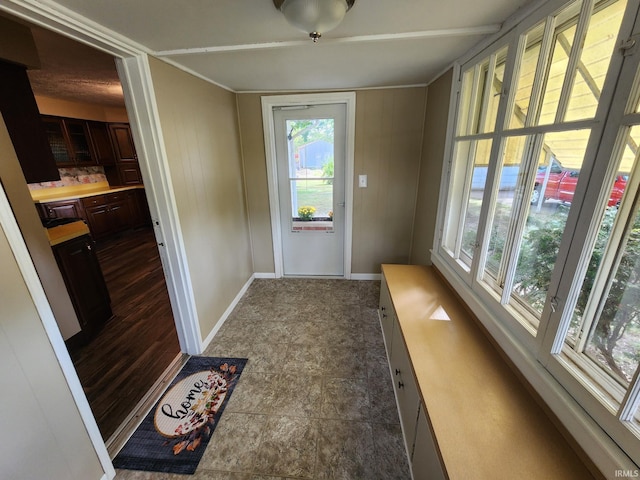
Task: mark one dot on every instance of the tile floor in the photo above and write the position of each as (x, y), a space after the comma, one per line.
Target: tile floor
(315, 400)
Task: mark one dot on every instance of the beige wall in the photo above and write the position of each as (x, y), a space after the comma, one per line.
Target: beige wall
(85, 111)
(42, 434)
(35, 237)
(200, 129)
(435, 130)
(389, 127)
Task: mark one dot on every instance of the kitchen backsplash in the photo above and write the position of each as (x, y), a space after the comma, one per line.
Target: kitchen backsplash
(73, 176)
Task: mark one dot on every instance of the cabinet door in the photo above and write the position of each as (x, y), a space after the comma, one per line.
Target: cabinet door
(78, 137)
(387, 316)
(63, 209)
(60, 148)
(85, 283)
(425, 461)
(405, 387)
(123, 142)
(120, 214)
(98, 220)
(129, 174)
(101, 143)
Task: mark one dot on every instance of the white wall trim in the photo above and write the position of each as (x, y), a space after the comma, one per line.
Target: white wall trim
(366, 276)
(9, 225)
(226, 313)
(264, 275)
(268, 102)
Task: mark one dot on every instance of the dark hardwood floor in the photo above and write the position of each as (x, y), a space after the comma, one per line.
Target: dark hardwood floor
(132, 350)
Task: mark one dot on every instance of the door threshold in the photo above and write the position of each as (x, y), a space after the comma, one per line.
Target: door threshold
(116, 441)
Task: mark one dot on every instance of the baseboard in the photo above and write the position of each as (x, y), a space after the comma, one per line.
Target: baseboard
(264, 275)
(366, 276)
(205, 343)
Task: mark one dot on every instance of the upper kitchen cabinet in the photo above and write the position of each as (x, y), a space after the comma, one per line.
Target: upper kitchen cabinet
(101, 143)
(127, 170)
(22, 118)
(69, 141)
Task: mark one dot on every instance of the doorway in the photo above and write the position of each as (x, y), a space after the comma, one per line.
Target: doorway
(309, 145)
(310, 151)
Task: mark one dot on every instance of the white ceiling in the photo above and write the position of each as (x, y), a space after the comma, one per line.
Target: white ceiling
(247, 45)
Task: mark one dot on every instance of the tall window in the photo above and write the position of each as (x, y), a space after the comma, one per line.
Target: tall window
(542, 211)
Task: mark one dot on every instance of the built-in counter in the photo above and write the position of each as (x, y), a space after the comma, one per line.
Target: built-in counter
(71, 192)
(474, 419)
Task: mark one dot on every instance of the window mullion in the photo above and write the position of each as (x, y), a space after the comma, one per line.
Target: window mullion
(542, 68)
(574, 58)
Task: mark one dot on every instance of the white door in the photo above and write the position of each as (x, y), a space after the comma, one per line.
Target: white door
(310, 149)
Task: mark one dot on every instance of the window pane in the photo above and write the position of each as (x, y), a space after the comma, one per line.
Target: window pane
(495, 91)
(464, 108)
(594, 61)
(614, 342)
(548, 215)
(557, 72)
(502, 211)
(474, 203)
(524, 83)
(617, 190)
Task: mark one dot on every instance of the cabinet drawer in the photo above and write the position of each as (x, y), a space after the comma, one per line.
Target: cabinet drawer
(115, 197)
(94, 200)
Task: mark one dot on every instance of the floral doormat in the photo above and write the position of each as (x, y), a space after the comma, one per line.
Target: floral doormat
(175, 433)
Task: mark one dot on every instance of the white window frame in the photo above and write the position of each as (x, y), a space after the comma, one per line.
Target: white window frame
(565, 394)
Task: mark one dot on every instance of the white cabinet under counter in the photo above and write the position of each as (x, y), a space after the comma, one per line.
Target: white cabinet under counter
(464, 412)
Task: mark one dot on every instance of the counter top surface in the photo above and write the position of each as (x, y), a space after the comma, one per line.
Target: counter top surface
(77, 191)
(64, 233)
(486, 423)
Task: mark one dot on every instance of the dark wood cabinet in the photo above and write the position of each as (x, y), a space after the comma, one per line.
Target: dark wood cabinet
(22, 118)
(62, 209)
(69, 141)
(85, 283)
(105, 214)
(108, 214)
(101, 143)
(127, 169)
(122, 141)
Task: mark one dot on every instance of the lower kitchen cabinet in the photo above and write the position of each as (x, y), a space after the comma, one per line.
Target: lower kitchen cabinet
(85, 283)
(108, 214)
(61, 209)
(425, 461)
(422, 451)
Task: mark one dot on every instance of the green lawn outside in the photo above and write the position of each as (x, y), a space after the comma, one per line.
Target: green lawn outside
(315, 193)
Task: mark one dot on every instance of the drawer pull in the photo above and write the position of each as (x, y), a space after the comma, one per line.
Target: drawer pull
(400, 385)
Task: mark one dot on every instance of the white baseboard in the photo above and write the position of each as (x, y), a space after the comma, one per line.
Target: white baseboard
(366, 276)
(205, 343)
(264, 275)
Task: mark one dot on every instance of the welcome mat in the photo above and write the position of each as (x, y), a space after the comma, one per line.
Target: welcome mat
(175, 433)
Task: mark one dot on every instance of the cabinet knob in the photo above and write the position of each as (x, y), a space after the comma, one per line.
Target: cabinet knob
(384, 315)
(400, 385)
(397, 372)
(383, 308)
(89, 247)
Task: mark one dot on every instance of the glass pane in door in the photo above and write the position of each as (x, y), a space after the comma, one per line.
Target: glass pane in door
(310, 145)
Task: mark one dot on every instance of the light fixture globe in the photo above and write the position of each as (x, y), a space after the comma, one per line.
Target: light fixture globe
(314, 16)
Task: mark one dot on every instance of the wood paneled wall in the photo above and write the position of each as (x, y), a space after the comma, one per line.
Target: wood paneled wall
(200, 130)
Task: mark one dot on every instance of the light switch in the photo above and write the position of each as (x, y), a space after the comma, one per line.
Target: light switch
(362, 181)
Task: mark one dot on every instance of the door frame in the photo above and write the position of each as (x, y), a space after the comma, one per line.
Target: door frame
(268, 103)
(133, 68)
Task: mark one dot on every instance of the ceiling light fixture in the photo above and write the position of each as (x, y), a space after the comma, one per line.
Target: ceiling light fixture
(314, 16)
